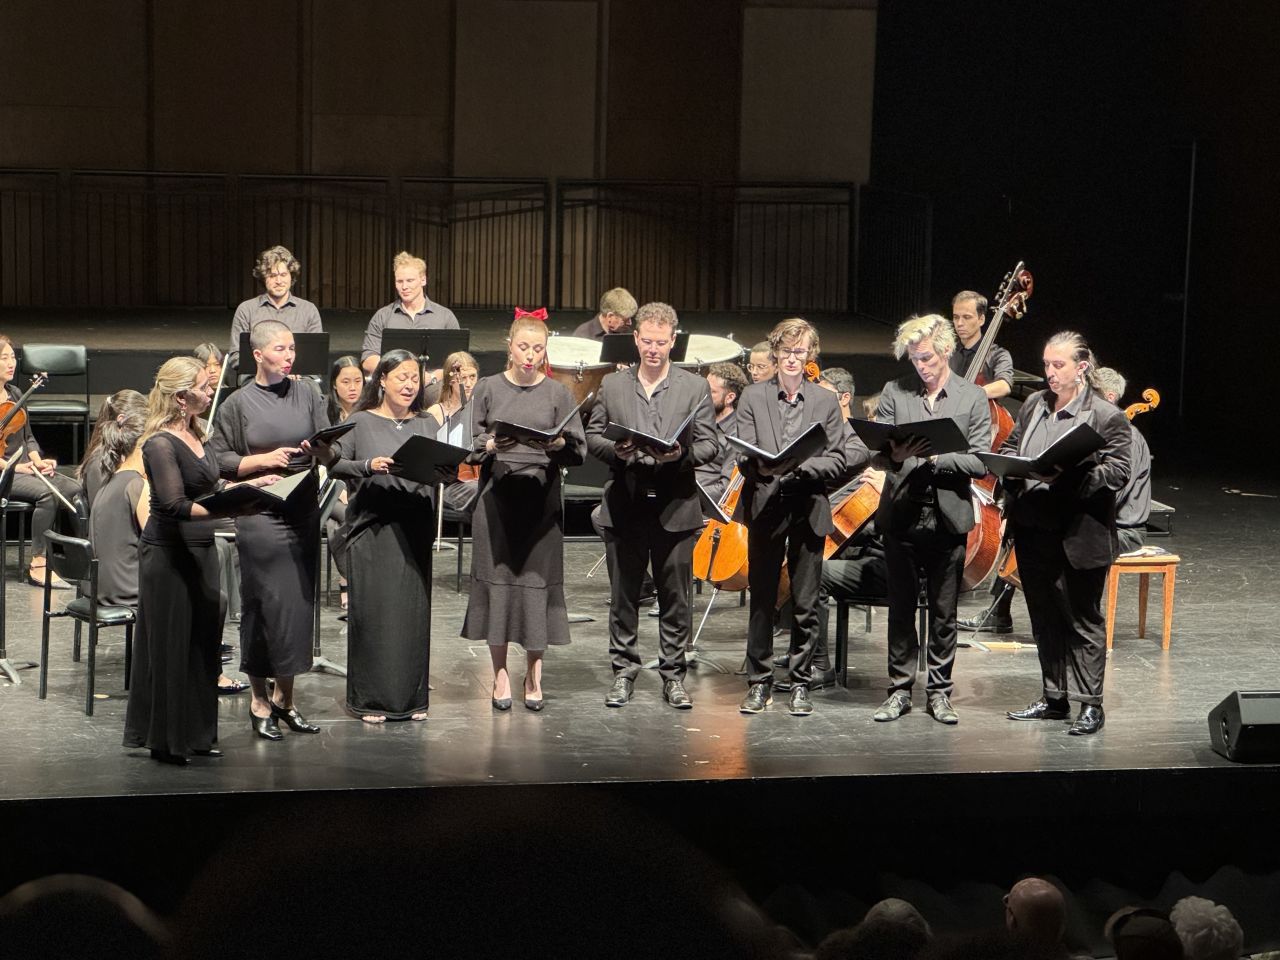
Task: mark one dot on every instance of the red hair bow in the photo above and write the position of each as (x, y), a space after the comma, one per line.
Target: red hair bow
(539, 314)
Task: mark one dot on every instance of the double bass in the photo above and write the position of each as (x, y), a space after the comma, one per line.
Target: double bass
(982, 550)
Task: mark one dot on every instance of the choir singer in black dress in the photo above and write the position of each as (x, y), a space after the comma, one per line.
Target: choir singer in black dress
(650, 510)
(390, 529)
(173, 703)
(517, 565)
(260, 429)
(1064, 531)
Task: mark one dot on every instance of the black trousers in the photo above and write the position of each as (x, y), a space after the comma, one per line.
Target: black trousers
(857, 575)
(629, 552)
(1067, 622)
(771, 537)
(1131, 538)
(940, 557)
(30, 490)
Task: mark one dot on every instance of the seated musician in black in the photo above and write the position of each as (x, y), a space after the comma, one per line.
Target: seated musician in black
(726, 382)
(1133, 508)
(617, 307)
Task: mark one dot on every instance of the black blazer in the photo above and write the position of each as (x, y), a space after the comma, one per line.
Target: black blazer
(950, 475)
(1082, 501)
(625, 490)
(760, 424)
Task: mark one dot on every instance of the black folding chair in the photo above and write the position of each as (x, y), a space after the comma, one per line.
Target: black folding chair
(72, 558)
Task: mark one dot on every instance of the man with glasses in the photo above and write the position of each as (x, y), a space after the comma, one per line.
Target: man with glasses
(277, 268)
(788, 515)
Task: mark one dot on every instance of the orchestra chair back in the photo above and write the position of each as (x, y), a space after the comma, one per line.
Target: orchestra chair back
(840, 655)
(68, 366)
(73, 559)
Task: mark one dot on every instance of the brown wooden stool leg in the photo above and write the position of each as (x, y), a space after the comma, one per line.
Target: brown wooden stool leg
(1169, 581)
(1144, 585)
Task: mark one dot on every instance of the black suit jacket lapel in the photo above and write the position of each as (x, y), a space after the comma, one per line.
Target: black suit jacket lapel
(775, 416)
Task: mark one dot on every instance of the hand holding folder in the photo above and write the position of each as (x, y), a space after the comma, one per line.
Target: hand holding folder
(810, 443)
(1068, 450)
(242, 499)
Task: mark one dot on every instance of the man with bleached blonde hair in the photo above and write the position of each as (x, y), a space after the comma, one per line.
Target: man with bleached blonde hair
(413, 310)
(925, 509)
(617, 307)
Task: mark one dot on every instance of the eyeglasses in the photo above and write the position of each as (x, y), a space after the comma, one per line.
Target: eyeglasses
(794, 352)
(752, 367)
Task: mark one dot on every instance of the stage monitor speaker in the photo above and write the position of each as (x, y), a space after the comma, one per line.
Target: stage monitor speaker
(1245, 727)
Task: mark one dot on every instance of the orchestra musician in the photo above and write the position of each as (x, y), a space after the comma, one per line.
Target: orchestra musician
(650, 510)
(760, 363)
(412, 310)
(1064, 529)
(390, 529)
(455, 418)
(261, 429)
(346, 384)
(517, 564)
(277, 268)
(108, 443)
(26, 486)
(787, 516)
(1133, 508)
(173, 700)
(968, 317)
(726, 382)
(925, 510)
(617, 307)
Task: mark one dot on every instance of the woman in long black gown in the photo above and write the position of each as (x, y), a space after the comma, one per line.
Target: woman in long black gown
(390, 524)
(173, 703)
(517, 560)
(259, 429)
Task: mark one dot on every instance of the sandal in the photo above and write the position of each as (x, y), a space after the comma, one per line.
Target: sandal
(35, 577)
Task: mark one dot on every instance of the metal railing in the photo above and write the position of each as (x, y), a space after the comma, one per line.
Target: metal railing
(133, 239)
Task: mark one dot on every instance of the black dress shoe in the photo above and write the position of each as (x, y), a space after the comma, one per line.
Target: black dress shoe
(213, 753)
(619, 693)
(674, 693)
(1043, 709)
(800, 704)
(940, 709)
(164, 756)
(266, 727)
(1090, 721)
(894, 706)
(759, 696)
(293, 719)
(817, 680)
(501, 704)
(992, 624)
(782, 660)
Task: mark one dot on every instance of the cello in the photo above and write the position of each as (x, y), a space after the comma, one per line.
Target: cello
(982, 549)
(720, 555)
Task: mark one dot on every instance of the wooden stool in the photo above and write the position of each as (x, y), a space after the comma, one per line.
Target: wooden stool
(1165, 564)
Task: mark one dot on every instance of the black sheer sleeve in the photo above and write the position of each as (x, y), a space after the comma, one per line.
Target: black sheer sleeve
(168, 490)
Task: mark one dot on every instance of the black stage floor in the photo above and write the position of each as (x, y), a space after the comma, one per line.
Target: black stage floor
(912, 799)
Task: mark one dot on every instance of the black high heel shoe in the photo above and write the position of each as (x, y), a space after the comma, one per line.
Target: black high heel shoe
(266, 727)
(293, 719)
(532, 703)
(164, 756)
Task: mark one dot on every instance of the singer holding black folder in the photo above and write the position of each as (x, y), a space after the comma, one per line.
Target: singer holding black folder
(786, 510)
(1064, 531)
(650, 510)
(517, 563)
(391, 526)
(262, 428)
(926, 510)
(173, 703)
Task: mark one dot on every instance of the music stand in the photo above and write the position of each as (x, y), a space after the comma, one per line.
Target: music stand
(621, 348)
(434, 345)
(311, 358)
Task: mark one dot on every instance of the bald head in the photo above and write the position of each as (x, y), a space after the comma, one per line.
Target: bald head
(1034, 909)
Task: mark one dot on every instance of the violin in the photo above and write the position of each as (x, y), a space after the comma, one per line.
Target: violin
(12, 415)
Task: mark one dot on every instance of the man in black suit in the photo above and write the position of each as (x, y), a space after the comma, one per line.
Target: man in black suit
(650, 510)
(925, 510)
(787, 513)
(1064, 529)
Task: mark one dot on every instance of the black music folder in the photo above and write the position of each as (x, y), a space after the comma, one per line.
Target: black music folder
(423, 459)
(435, 345)
(244, 498)
(332, 433)
(621, 348)
(521, 434)
(617, 432)
(1068, 450)
(944, 435)
(809, 443)
(310, 358)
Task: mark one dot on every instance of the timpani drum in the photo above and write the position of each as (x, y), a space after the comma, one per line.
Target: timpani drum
(704, 350)
(575, 362)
